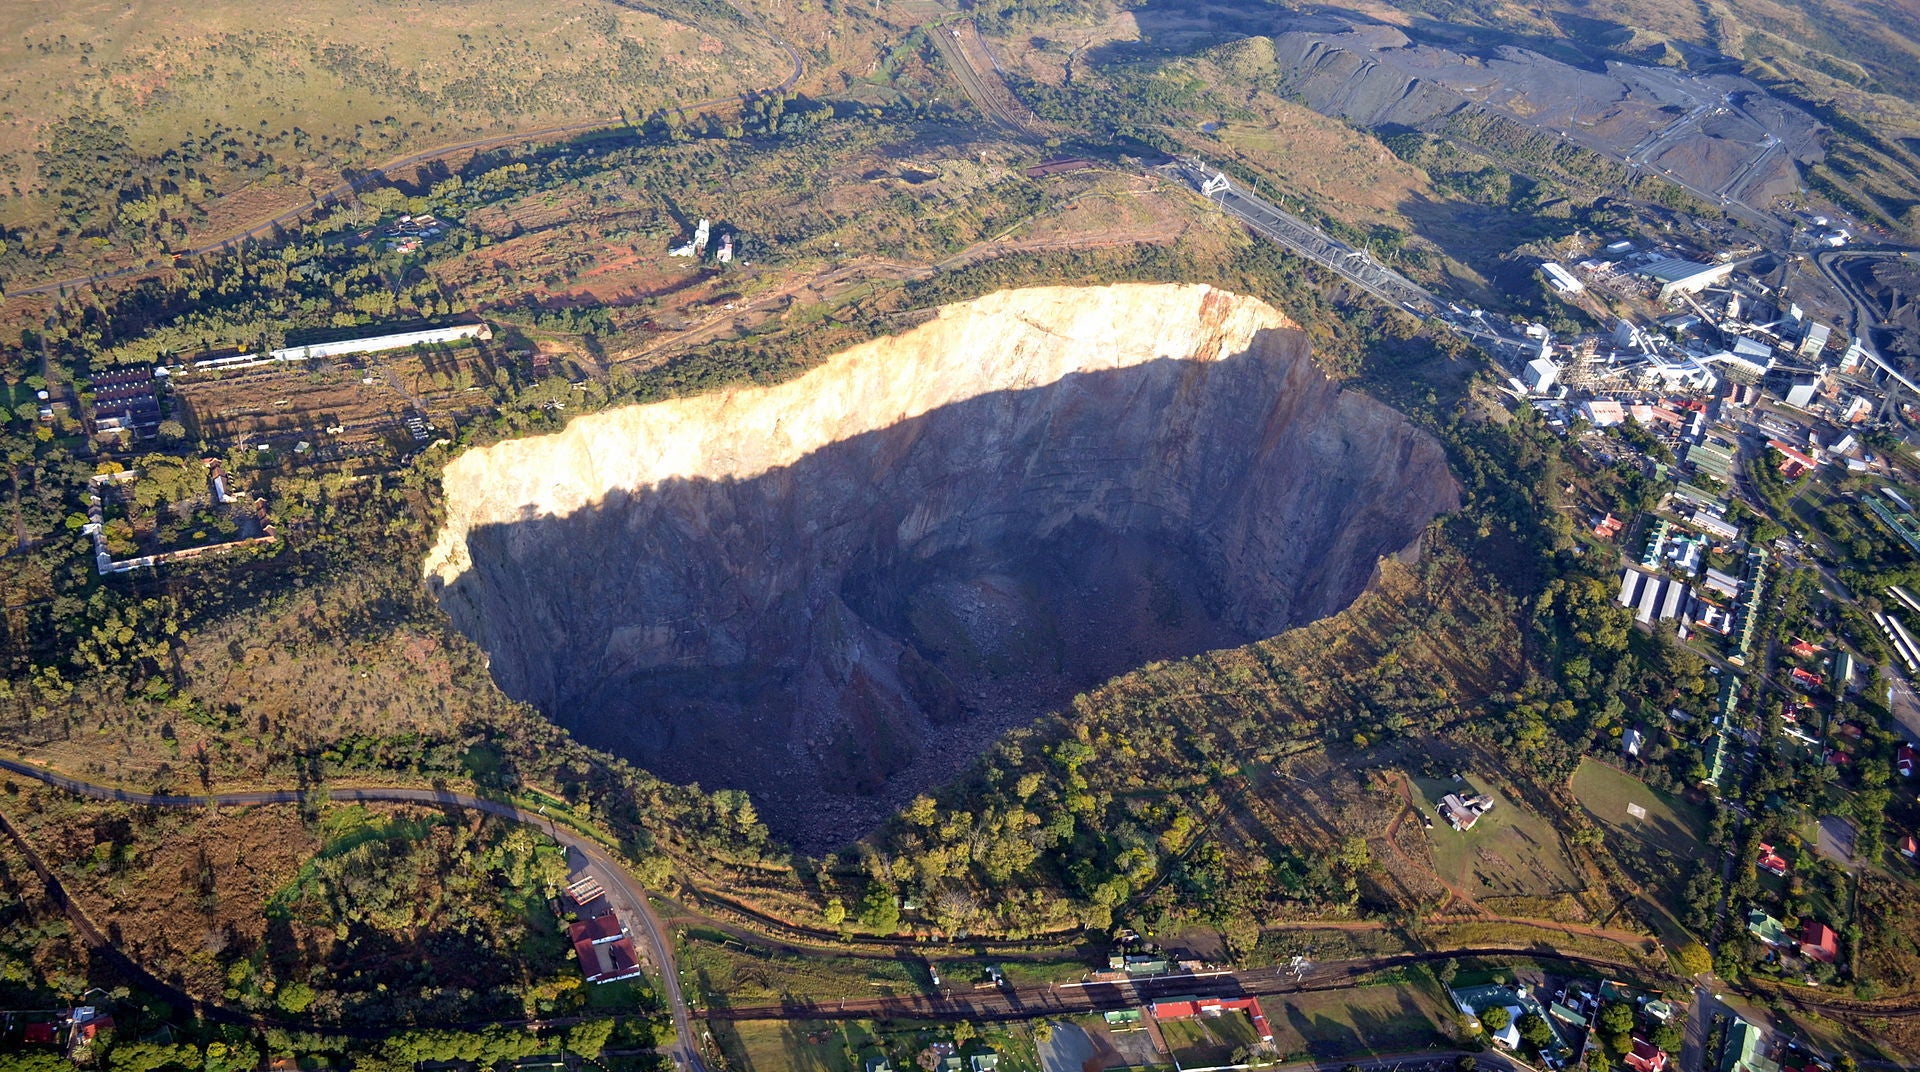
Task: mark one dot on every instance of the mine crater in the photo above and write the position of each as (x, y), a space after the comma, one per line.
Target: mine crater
(837, 591)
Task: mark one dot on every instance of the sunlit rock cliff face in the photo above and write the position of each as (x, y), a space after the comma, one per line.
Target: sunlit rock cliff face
(835, 591)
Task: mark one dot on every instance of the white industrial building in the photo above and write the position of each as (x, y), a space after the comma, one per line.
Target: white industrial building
(1540, 375)
(368, 345)
(1653, 597)
(1562, 280)
(1815, 340)
(1679, 276)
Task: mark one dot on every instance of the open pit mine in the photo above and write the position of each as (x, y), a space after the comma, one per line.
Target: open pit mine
(837, 591)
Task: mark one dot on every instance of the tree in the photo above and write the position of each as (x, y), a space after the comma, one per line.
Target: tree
(1693, 959)
(878, 910)
(1616, 1018)
(1668, 1038)
(1466, 1063)
(1495, 1020)
(1534, 1030)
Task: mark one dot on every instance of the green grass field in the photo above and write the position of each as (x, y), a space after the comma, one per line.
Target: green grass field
(720, 969)
(1662, 821)
(822, 1046)
(1509, 852)
(1209, 1040)
(1369, 1019)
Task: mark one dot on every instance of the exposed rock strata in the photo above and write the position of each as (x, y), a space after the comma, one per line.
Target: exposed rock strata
(834, 591)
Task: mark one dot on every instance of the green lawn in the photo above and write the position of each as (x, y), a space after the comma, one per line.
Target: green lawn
(1670, 822)
(823, 1046)
(1209, 1040)
(721, 970)
(796, 1045)
(1509, 852)
(1368, 1019)
(1652, 834)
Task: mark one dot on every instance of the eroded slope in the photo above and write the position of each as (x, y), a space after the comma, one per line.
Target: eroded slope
(833, 591)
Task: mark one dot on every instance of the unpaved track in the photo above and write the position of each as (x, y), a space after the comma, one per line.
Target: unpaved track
(347, 189)
(1005, 1004)
(685, 1051)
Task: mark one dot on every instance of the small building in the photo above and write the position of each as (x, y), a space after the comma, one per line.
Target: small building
(1745, 1049)
(985, 1062)
(1818, 942)
(1462, 812)
(1815, 340)
(1903, 761)
(1562, 280)
(1766, 928)
(1632, 741)
(1658, 1011)
(1646, 1057)
(1714, 526)
(125, 400)
(1910, 846)
(1603, 413)
(1770, 861)
(1794, 462)
(1194, 1008)
(605, 950)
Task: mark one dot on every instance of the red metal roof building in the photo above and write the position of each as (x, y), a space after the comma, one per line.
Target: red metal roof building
(1770, 860)
(1193, 1008)
(1818, 942)
(606, 953)
(1646, 1057)
(48, 1033)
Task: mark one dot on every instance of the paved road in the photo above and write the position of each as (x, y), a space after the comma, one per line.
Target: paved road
(348, 188)
(622, 889)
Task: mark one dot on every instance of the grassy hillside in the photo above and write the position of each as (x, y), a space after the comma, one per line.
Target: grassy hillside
(116, 116)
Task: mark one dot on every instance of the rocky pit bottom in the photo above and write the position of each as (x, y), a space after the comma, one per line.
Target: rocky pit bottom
(837, 591)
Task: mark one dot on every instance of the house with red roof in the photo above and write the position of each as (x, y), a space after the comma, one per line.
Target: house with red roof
(1194, 1008)
(1910, 846)
(46, 1033)
(606, 951)
(1646, 1057)
(1771, 861)
(1903, 761)
(1818, 942)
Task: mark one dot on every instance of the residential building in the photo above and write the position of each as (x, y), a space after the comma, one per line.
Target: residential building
(605, 950)
(1818, 942)
(1771, 861)
(1646, 1057)
(1745, 1049)
(1194, 1008)
(1766, 928)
